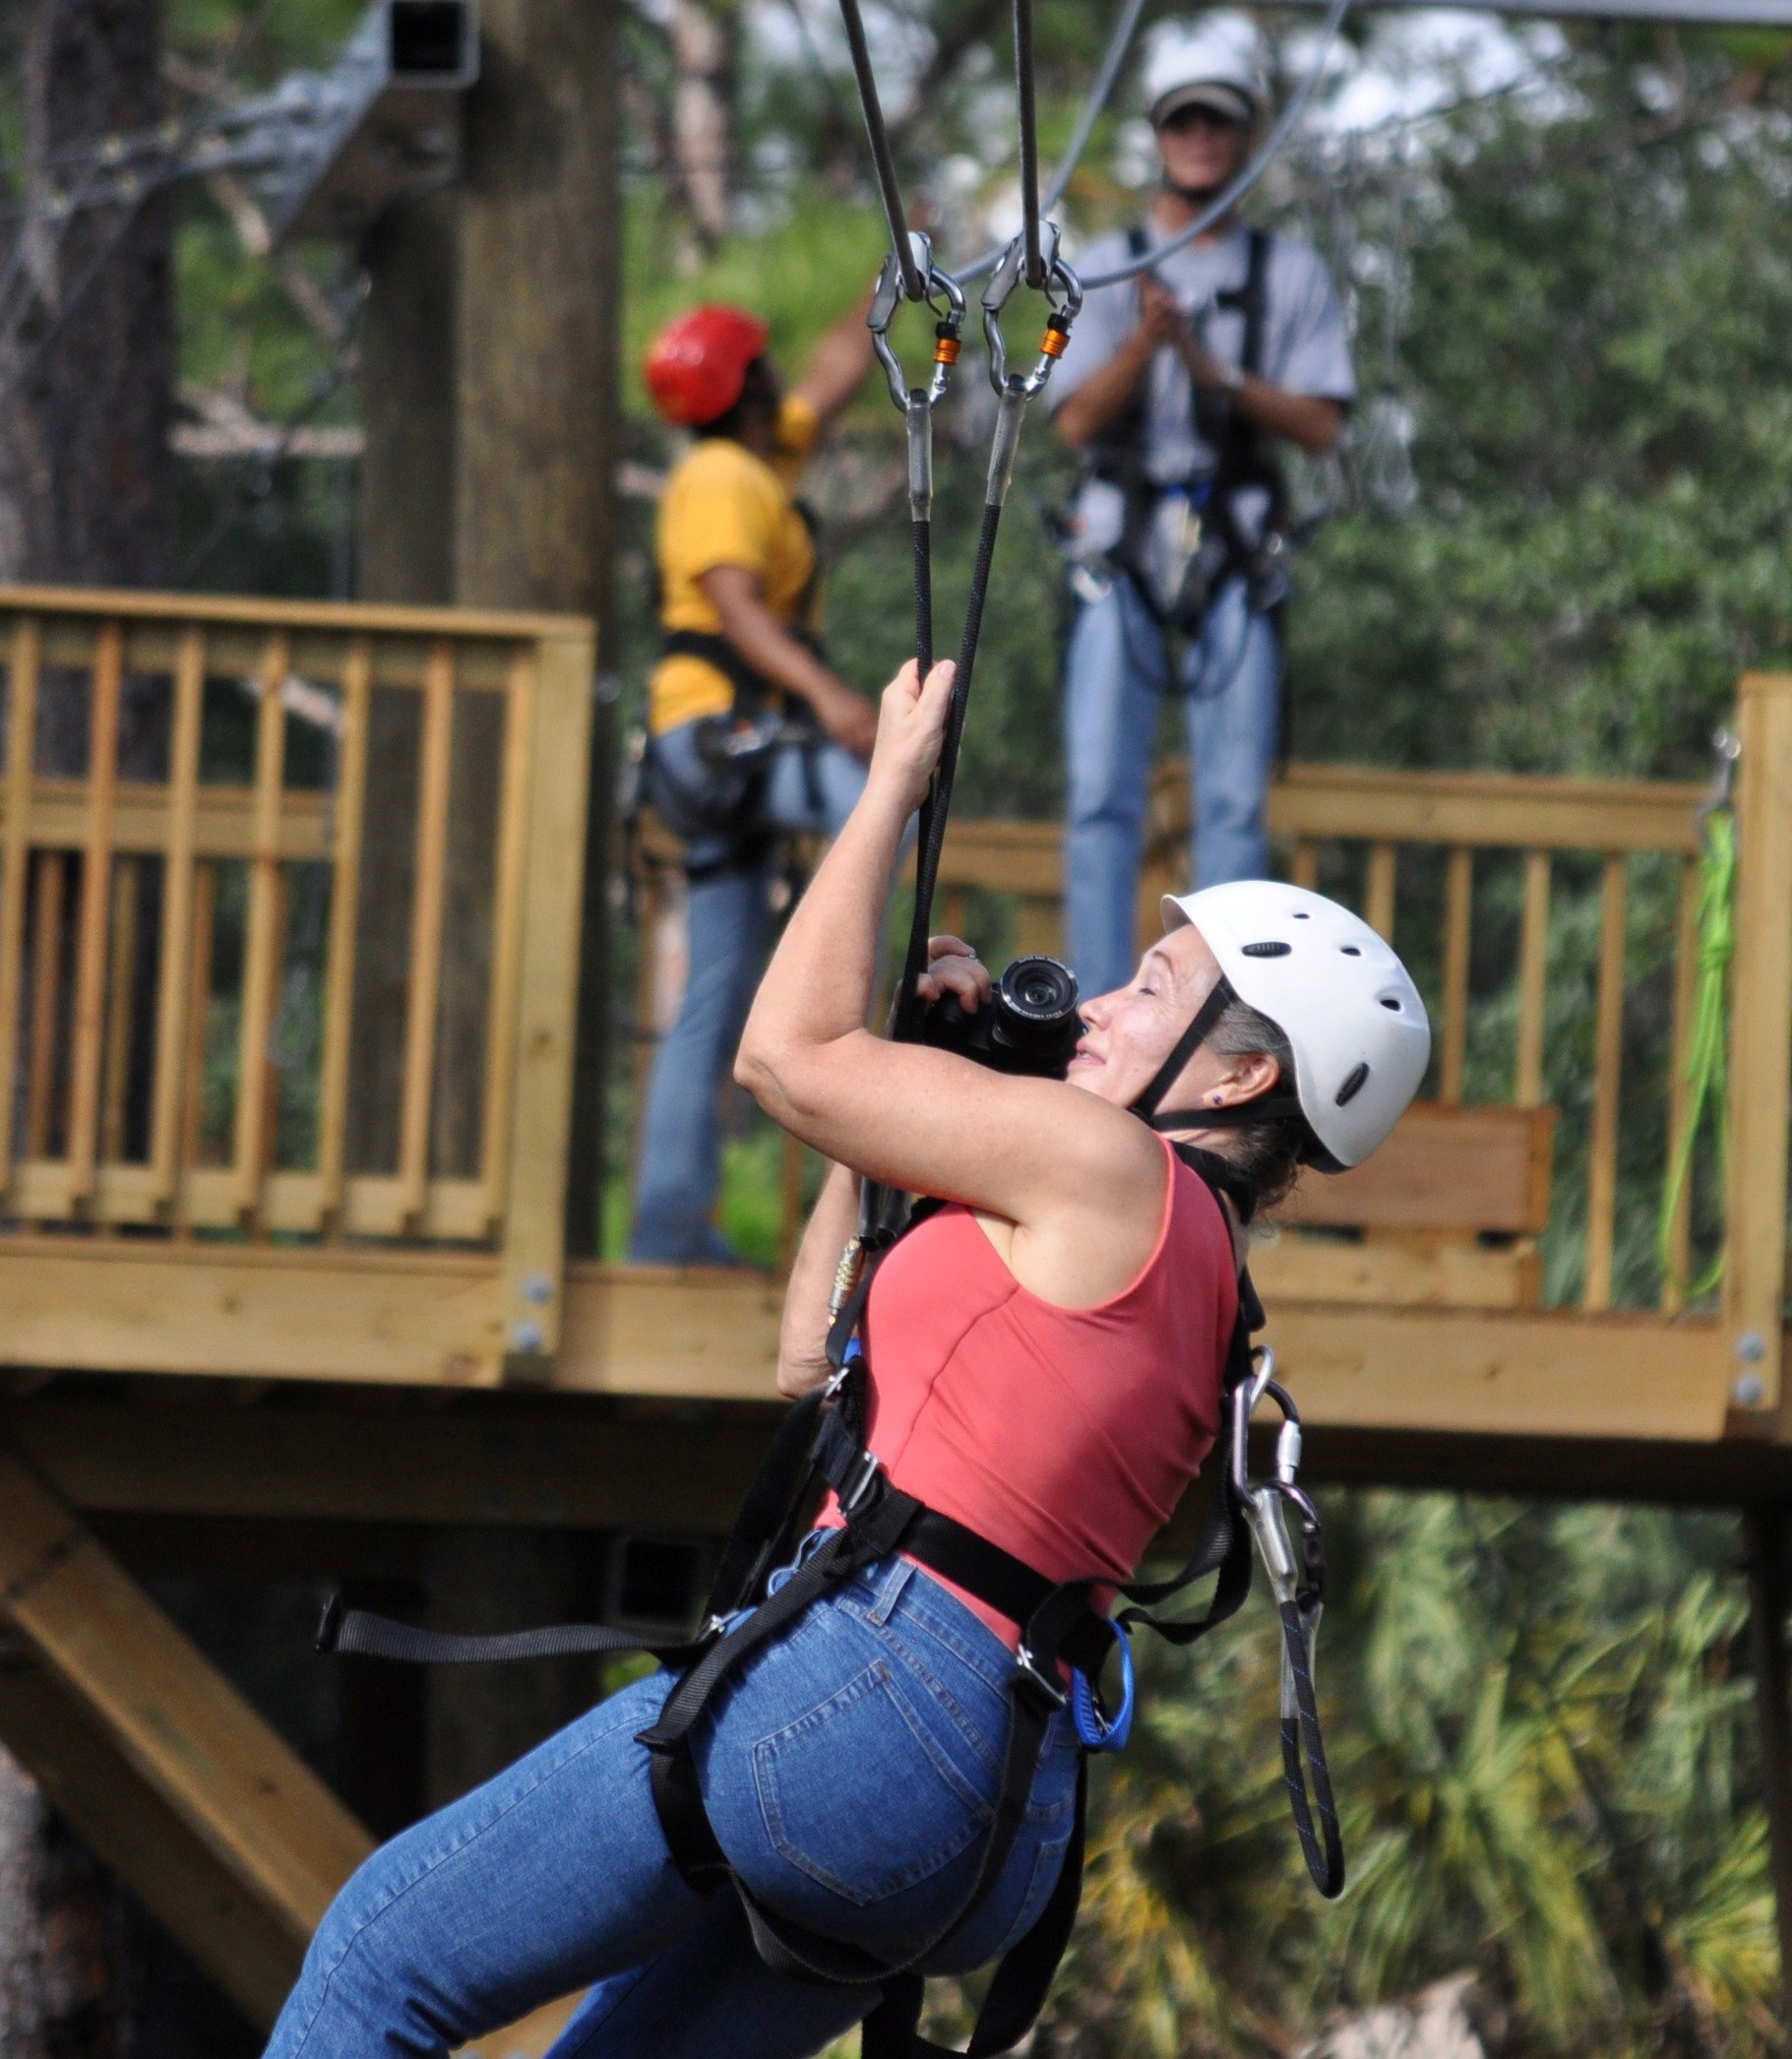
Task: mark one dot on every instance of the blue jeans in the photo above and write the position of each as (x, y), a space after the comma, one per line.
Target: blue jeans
(1114, 674)
(849, 1771)
(730, 923)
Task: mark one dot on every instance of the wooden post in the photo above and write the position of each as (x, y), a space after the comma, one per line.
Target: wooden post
(1769, 1596)
(1533, 981)
(96, 914)
(507, 888)
(22, 733)
(345, 893)
(547, 993)
(536, 418)
(1608, 1062)
(425, 982)
(175, 974)
(1761, 1045)
(261, 969)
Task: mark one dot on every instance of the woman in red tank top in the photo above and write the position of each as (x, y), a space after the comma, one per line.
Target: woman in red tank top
(884, 1779)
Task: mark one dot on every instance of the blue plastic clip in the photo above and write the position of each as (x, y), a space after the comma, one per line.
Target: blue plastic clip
(1097, 1730)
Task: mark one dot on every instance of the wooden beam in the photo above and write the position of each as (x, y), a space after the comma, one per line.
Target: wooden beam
(1761, 1044)
(358, 618)
(1554, 1374)
(1419, 1270)
(1507, 809)
(121, 1818)
(224, 1775)
(295, 1313)
(1444, 1168)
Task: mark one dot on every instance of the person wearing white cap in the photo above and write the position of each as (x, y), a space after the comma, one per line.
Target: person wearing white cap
(1177, 390)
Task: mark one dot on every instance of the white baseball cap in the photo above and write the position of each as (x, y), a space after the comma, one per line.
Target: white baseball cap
(1215, 60)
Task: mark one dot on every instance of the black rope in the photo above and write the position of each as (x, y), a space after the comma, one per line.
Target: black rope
(938, 804)
(923, 598)
(1028, 117)
(914, 287)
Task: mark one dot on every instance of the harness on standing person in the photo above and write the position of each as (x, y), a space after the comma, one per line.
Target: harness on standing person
(1179, 542)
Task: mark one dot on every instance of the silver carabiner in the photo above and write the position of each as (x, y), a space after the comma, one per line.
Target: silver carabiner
(1064, 292)
(944, 296)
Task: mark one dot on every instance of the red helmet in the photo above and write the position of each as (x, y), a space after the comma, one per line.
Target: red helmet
(698, 364)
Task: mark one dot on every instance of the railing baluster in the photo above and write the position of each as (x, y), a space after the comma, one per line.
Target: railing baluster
(507, 931)
(174, 976)
(1377, 903)
(1533, 980)
(47, 993)
(1458, 911)
(1608, 1056)
(21, 749)
(1306, 864)
(426, 931)
(95, 908)
(1685, 995)
(261, 956)
(120, 1012)
(350, 804)
(198, 1015)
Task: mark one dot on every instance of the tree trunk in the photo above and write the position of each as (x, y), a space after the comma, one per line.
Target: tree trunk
(405, 551)
(536, 425)
(87, 482)
(706, 48)
(87, 497)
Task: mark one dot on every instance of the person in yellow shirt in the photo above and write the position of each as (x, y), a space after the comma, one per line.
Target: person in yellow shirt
(749, 732)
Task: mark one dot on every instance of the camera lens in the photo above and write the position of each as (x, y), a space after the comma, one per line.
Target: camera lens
(1039, 990)
(1036, 1027)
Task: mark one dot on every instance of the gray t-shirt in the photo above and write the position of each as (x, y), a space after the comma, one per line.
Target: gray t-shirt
(1303, 346)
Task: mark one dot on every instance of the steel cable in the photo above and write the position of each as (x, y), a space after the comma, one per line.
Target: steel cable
(914, 287)
(1027, 115)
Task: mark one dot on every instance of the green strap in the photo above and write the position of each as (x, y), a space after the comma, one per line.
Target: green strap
(1707, 1075)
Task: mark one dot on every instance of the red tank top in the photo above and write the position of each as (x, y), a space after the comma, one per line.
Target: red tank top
(1065, 1435)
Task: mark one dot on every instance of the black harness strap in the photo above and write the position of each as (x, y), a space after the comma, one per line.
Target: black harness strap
(822, 1440)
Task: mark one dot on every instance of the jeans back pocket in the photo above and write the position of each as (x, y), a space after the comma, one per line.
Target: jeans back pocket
(861, 1795)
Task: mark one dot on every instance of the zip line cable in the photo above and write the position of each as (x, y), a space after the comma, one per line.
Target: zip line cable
(882, 159)
(1115, 57)
(1219, 208)
(1026, 112)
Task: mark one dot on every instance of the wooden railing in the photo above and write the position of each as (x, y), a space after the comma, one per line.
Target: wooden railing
(288, 922)
(1519, 901)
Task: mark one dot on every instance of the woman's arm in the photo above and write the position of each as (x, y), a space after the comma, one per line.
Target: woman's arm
(802, 1342)
(786, 661)
(838, 366)
(1036, 1152)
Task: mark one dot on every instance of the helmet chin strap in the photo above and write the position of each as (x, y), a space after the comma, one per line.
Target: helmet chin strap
(1269, 1107)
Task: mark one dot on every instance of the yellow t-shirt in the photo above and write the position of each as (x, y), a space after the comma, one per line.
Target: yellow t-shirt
(724, 506)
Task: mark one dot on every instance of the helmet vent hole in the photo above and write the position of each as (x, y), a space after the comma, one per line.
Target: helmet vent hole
(1301, 916)
(1276, 950)
(1351, 950)
(1353, 1086)
(1390, 1002)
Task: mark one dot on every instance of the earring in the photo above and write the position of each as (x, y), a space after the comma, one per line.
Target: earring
(1215, 1098)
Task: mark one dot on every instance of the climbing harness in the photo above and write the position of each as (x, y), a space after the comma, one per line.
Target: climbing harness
(764, 1584)
(1707, 1076)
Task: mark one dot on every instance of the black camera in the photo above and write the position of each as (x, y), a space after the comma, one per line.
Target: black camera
(1029, 1024)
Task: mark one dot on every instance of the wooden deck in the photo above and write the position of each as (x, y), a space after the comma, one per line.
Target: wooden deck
(230, 1325)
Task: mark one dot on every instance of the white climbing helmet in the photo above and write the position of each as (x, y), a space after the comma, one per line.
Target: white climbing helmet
(1215, 60)
(1347, 1006)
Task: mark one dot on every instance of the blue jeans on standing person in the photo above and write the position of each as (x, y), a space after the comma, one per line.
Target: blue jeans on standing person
(812, 790)
(849, 1771)
(1115, 674)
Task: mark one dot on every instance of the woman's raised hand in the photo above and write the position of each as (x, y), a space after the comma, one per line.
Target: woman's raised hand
(911, 726)
(954, 968)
